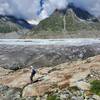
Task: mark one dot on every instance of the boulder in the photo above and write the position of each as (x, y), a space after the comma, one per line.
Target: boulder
(7, 93)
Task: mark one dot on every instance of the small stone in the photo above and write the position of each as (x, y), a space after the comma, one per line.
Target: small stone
(80, 98)
(96, 97)
(44, 97)
(74, 98)
(63, 97)
(83, 85)
(38, 98)
(91, 75)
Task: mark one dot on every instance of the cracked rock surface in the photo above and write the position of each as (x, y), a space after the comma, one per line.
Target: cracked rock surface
(57, 80)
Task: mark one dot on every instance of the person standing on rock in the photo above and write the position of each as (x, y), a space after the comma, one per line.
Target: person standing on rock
(33, 72)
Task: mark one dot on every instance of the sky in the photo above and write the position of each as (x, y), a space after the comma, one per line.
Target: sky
(33, 11)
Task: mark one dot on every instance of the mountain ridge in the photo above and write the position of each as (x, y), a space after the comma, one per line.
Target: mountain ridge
(58, 24)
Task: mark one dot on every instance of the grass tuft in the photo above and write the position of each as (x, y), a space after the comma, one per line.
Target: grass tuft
(52, 97)
(95, 87)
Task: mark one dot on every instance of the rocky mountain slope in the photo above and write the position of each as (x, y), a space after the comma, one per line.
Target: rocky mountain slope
(56, 26)
(10, 27)
(70, 25)
(67, 81)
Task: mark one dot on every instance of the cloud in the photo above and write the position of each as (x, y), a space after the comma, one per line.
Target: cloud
(33, 11)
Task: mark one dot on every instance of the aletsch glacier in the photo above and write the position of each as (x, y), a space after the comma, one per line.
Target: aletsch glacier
(48, 42)
(33, 11)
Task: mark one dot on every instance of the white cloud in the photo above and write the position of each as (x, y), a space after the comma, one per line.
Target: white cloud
(34, 10)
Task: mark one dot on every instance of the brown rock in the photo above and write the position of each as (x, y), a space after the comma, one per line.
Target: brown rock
(63, 84)
(68, 75)
(36, 90)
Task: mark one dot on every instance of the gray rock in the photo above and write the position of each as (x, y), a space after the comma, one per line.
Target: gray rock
(77, 98)
(7, 93)
(63, 97)
(96, 97)
(20, 56)
(74, 98)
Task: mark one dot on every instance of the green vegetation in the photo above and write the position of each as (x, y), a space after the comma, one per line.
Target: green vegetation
(54, 27)
(52, 97)
(7, 29)
(8, 26)
(95, 87)
(55, 24)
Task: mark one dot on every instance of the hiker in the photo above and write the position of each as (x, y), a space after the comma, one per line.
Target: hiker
(33, 72)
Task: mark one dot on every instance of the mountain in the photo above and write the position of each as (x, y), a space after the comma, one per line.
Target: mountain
(76, 19)
(10, 27)
(82, 14)
(10, 24)
(60, 24)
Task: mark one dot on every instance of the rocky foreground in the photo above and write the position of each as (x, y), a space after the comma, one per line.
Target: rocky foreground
(66, 81)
